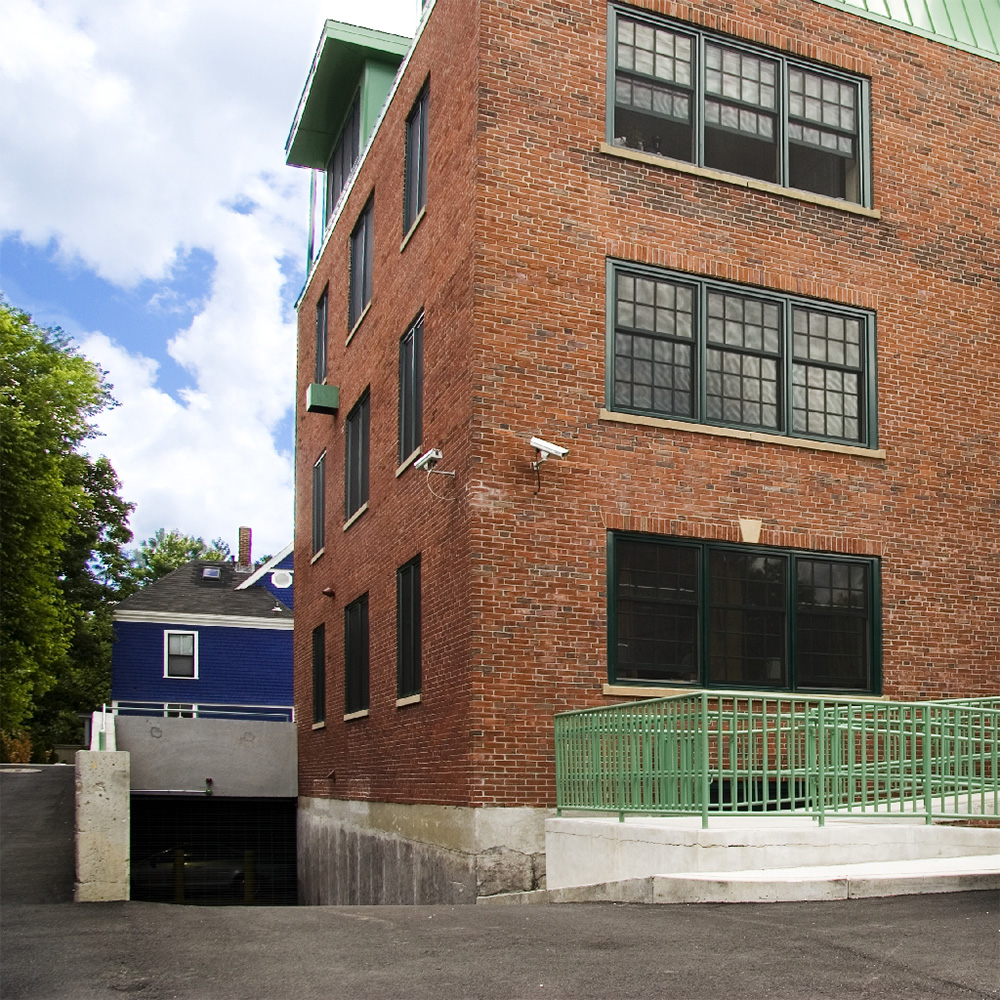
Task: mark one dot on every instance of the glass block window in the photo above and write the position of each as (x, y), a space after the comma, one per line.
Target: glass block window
(683, 611)
(697, 349)
(695, 96)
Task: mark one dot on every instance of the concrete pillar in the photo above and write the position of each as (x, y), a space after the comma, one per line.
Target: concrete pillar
(102, 826)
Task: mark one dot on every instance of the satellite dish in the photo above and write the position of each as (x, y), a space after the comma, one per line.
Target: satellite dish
(281, 579)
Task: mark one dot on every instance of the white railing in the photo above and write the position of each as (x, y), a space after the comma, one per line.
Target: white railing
(202, 710)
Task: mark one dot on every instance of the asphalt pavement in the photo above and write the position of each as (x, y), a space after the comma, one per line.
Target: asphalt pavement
(913, 947)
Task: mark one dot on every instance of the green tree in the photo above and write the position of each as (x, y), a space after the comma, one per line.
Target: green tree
(164, 551)
(62, 529)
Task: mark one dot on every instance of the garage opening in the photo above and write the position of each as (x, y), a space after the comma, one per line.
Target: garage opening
(213, 851)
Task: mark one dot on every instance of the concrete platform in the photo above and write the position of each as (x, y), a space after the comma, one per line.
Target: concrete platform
(595, 850)
(783, 885)
(759, 859)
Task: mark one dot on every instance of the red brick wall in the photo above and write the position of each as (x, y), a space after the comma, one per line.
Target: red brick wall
(514, 579)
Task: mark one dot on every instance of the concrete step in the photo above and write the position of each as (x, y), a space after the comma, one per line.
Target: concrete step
(782, 885)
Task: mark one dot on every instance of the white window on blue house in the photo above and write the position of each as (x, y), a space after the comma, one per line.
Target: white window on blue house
(180, 654)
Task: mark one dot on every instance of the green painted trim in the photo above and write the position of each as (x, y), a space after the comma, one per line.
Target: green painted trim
(969, 25)
(342, 59)
(322, 398)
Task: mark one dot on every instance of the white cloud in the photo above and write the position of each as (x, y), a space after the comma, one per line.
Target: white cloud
(133, 129)
(235, 475)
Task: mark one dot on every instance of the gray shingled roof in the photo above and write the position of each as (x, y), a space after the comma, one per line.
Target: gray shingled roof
(187, 590)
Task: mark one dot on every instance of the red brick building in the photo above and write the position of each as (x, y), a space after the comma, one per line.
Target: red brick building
(742, 260)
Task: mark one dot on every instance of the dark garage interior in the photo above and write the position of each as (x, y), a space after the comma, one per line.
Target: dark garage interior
(213, 851)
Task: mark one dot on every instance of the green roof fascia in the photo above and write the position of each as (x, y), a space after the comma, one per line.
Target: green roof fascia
(345, 57)
(970, 25)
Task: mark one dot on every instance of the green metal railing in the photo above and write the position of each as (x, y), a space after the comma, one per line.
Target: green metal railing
(726, 753)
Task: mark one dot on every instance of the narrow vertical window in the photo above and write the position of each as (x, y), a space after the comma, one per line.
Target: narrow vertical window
(319, 674)
(411, 375)
(356, 656)
(319, 504)
(361, 265)
(345, 155)
(321, 341)
(408, 629)
(180, 654)
(356, 457)
(415, 190)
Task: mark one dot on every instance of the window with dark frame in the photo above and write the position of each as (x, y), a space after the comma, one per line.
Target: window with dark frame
(415, 174)
(408, 629)
(690, 348)
(411, 377)
(356, 656)
(345, 155)
(319, 674)
(361, 265)
(691, 612)
(321, 337)
(181, 655)
(356, 456)
(719, 102)
(319, 504)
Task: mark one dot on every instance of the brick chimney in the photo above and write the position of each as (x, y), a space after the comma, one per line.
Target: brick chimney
(243, 559)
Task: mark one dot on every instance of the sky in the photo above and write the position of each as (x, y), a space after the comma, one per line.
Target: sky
(146, 210)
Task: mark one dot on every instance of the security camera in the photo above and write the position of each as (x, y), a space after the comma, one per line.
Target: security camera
(428, 458)
(547, 448)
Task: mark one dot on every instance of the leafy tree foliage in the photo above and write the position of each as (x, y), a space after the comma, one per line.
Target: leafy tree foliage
(164, 551)
(61, 535)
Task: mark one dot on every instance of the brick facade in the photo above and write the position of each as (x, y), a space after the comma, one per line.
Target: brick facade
(526, 205)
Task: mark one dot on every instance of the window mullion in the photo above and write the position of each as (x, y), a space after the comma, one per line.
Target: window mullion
(701, 353)
(698, 103)
(782, 123)
(791, 623)
(704, 616)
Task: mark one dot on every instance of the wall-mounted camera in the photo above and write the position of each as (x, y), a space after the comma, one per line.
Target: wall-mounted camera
(546, 448)
(428, 459)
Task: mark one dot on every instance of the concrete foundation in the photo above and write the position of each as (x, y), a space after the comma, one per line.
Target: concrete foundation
(384, 853)
(102, 826)
(586, 851)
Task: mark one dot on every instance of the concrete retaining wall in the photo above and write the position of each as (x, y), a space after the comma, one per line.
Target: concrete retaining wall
(384, 853)
(243, 758)
(102, 826)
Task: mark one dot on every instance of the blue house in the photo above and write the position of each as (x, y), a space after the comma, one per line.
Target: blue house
(212, 639)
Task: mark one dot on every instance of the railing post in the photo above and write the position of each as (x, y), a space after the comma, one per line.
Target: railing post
(703, 751)
(925, 713)
(821, 760)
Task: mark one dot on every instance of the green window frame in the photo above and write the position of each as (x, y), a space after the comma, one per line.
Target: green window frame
(408, 644)
(713, 100)
(411, 378)
(319, 504)
(356, 651)
(344, 157)
(319, 674)
(686, 612)
(321, 336)
(415, 168)
(688, 348)
(362, 264)
(356, 456)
